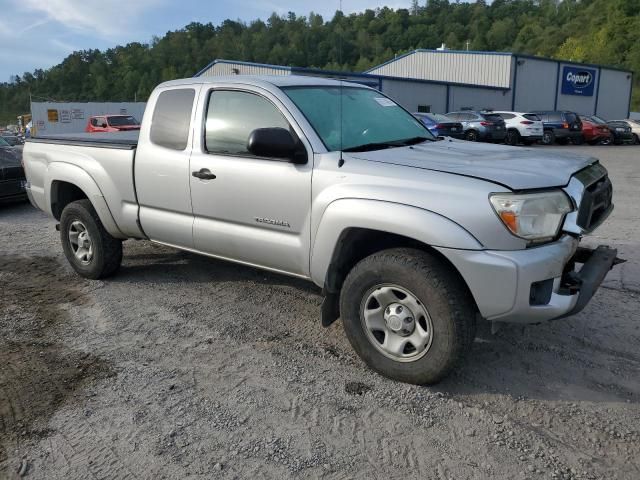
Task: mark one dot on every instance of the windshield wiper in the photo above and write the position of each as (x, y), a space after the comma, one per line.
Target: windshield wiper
(367, 147)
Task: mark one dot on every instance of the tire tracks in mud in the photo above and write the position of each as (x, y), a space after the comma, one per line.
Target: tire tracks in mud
(37, 373)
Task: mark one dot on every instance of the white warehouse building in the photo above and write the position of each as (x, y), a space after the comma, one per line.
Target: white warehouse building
(442, 81)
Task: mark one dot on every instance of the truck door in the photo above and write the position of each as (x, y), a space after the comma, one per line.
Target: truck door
(247, 208)
(162, 167)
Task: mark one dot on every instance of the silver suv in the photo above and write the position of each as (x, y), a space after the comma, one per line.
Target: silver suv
(480, 126)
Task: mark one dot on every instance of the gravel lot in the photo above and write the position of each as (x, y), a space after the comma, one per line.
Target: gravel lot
(186, 367)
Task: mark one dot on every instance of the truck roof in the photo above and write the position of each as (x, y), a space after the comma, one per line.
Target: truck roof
(258, 80)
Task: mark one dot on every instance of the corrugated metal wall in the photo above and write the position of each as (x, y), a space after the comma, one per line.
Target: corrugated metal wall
(73, 116)
(412, 94)
(227, 68)
(615, 89)
(490, 69)
(535, 85)
(478, 98)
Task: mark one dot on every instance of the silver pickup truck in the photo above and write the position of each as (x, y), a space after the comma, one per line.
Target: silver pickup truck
(412, 238)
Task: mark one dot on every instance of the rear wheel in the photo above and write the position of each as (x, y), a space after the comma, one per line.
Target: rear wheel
(89, 248)
(513, 137)
(548, 137)
(636, 139)
(577, 140)
(407, 315)
(471, 136)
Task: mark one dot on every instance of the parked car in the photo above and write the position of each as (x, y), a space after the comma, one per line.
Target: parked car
(634, 125)
(480, 126)
(441, 125)
(561, 127)
(13, 140)
(522, 127)
(12, 178)
(112, 123)
(595, 130)
(621, 131)
(411, 239)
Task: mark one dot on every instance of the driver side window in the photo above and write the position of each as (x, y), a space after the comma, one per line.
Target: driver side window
(233, 115)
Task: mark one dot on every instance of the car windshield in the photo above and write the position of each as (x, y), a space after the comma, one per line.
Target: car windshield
(4, 143)
(11, 140)
(354, 118)
(122, 121)
(596, 119)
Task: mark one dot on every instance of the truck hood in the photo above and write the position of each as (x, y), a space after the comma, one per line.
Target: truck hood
(514, 167)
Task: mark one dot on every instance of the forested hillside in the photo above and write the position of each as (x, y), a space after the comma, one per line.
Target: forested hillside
(596, 31)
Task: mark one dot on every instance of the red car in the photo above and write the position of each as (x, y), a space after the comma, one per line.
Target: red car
(112, 123)
(595, 130)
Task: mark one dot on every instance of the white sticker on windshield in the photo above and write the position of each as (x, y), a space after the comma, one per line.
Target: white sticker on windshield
(385, 102)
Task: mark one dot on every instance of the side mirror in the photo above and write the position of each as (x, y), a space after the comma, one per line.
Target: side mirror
(276, 143)
(104, 125)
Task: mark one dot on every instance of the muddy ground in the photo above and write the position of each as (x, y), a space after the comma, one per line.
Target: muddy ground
(186, 367)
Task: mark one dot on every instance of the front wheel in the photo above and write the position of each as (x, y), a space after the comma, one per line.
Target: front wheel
(408, 315)
(548, 137)
(89, 248)
(471, 136)
(513, 137)
(636, 139)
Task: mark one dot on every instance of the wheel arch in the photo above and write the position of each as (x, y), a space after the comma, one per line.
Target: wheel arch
(68, 183)
(352, 229)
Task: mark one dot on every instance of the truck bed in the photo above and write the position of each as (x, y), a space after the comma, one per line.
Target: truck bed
(118, 140)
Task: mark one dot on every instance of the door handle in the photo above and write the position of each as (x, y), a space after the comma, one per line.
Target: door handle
(204, 174)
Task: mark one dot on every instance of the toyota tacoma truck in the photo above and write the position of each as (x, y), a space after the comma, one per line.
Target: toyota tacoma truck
(413, 239)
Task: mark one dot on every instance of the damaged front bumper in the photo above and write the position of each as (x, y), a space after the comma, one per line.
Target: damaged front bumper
(536, 284)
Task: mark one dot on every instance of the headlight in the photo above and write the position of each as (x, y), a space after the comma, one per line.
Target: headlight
(536, 217)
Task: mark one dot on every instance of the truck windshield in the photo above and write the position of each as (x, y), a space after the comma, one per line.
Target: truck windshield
(122, 121)
(357, 119)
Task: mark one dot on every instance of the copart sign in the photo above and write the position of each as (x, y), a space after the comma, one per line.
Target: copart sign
(578, 81)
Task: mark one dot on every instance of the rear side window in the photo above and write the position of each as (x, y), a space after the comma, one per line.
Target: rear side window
(555, 117)
(506, 116)
(532, 116)
(172, 118)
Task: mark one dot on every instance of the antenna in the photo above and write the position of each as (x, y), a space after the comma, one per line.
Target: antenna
(341, 161)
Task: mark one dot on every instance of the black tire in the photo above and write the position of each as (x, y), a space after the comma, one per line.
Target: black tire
(594, 142)
(106, 250)
(513, 137)
(636, 139)
(548, 137)
(437, 287)
(471, 136)
(577, 140)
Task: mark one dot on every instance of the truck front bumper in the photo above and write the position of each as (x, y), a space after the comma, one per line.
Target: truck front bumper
(536, 284)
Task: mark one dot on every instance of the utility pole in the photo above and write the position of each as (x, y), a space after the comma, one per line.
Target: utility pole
(468, 42)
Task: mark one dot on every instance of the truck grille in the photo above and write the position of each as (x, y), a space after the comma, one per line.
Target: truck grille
(596, 204)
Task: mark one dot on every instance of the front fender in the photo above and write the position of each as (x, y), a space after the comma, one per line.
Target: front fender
(416, 223)
(67, 172)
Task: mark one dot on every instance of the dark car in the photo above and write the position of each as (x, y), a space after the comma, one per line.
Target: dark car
(561, 127)
(621, 132)
(485, 126)
(13, 140)
(12, 176)
(440, 125)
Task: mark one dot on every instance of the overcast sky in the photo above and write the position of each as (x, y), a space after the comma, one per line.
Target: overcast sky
(41, 33)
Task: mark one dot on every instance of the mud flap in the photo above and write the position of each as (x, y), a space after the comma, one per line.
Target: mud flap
(330, 310)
